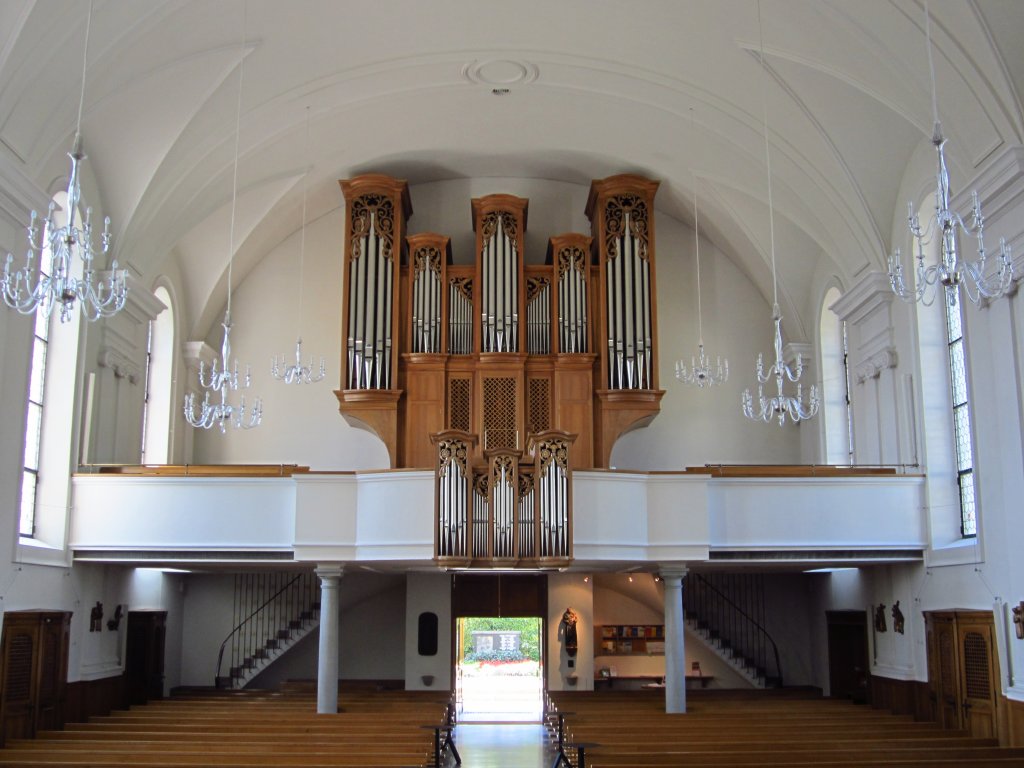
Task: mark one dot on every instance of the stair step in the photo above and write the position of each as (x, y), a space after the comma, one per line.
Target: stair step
(249, 663)
(283, 634)
(261, 653)
(272, 644)
(295, 624)
(223, 682)
(315, 605)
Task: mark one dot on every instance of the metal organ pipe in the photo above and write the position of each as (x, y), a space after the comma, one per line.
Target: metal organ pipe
(371, 283)
(629, 313)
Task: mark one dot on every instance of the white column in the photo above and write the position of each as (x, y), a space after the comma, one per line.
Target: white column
(675, 640)
(327, 668)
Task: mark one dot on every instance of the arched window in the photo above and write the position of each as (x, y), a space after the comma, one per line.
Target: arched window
(156, 406)
(49, 420)
(835, 384)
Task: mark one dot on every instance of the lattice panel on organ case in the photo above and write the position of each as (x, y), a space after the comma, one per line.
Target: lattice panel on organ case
(499, 425)
(538, 405)
(458, 404)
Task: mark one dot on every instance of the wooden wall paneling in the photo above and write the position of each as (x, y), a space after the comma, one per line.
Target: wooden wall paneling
(574, 405)
(423, 411)
(1013, 734)
(93, 698)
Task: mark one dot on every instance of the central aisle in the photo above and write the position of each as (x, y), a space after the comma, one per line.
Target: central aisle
(486, 745)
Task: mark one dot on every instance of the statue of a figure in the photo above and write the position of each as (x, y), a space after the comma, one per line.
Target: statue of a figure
(897, 618)
(880, 618)
(567, 630)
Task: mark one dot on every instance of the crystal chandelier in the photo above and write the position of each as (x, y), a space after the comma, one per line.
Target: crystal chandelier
(950, 271)
(224, 377)
(701, 371)
(299, 373)
(777, 406)
(99, 293)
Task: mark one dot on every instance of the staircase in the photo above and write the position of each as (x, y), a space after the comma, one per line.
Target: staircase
(727, 612)
(272, 612)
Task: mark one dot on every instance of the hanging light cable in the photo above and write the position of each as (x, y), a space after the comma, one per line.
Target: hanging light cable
(950, 272)
(779, 405)
(700, 372)
(224, 378)
(299, 373)
(99, 293)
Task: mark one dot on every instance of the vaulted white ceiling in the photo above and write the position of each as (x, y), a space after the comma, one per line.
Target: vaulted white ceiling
(672, 89)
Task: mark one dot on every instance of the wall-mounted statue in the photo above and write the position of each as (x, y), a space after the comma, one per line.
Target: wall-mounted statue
(897, 618)
(567, 630)
(115, 621)
(96, 618)
(880, 618)
(1018, 619)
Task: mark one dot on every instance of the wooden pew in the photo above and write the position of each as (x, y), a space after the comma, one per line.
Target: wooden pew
(630, 728)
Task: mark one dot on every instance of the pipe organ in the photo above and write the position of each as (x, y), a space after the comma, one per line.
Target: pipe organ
(503, 512)
(496, 345)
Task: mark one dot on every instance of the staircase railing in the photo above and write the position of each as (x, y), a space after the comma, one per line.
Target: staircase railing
(733, 626)
(292, 599)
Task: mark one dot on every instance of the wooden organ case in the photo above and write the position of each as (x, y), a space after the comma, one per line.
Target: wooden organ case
(498, 352)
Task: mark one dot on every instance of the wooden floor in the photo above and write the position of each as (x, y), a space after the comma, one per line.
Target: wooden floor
(724, 729)
(623, 728)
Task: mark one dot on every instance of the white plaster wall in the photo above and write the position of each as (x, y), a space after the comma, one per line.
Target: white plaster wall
(617, 600)
(706, 426)
(570, 590)
(428, 592)
(371, 632)
(207, 621)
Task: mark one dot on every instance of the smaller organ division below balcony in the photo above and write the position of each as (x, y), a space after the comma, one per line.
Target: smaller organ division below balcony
(512, 510)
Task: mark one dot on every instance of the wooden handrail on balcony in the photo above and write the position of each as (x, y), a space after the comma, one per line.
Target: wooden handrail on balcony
(795, 470)
(195, 470)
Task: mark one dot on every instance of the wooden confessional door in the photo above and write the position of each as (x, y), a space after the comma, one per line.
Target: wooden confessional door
(942, 668)
(963, 670)
(144, 656)
(33, 678)
(978, 674)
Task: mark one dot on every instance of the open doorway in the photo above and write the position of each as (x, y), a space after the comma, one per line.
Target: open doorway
(498, 669)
